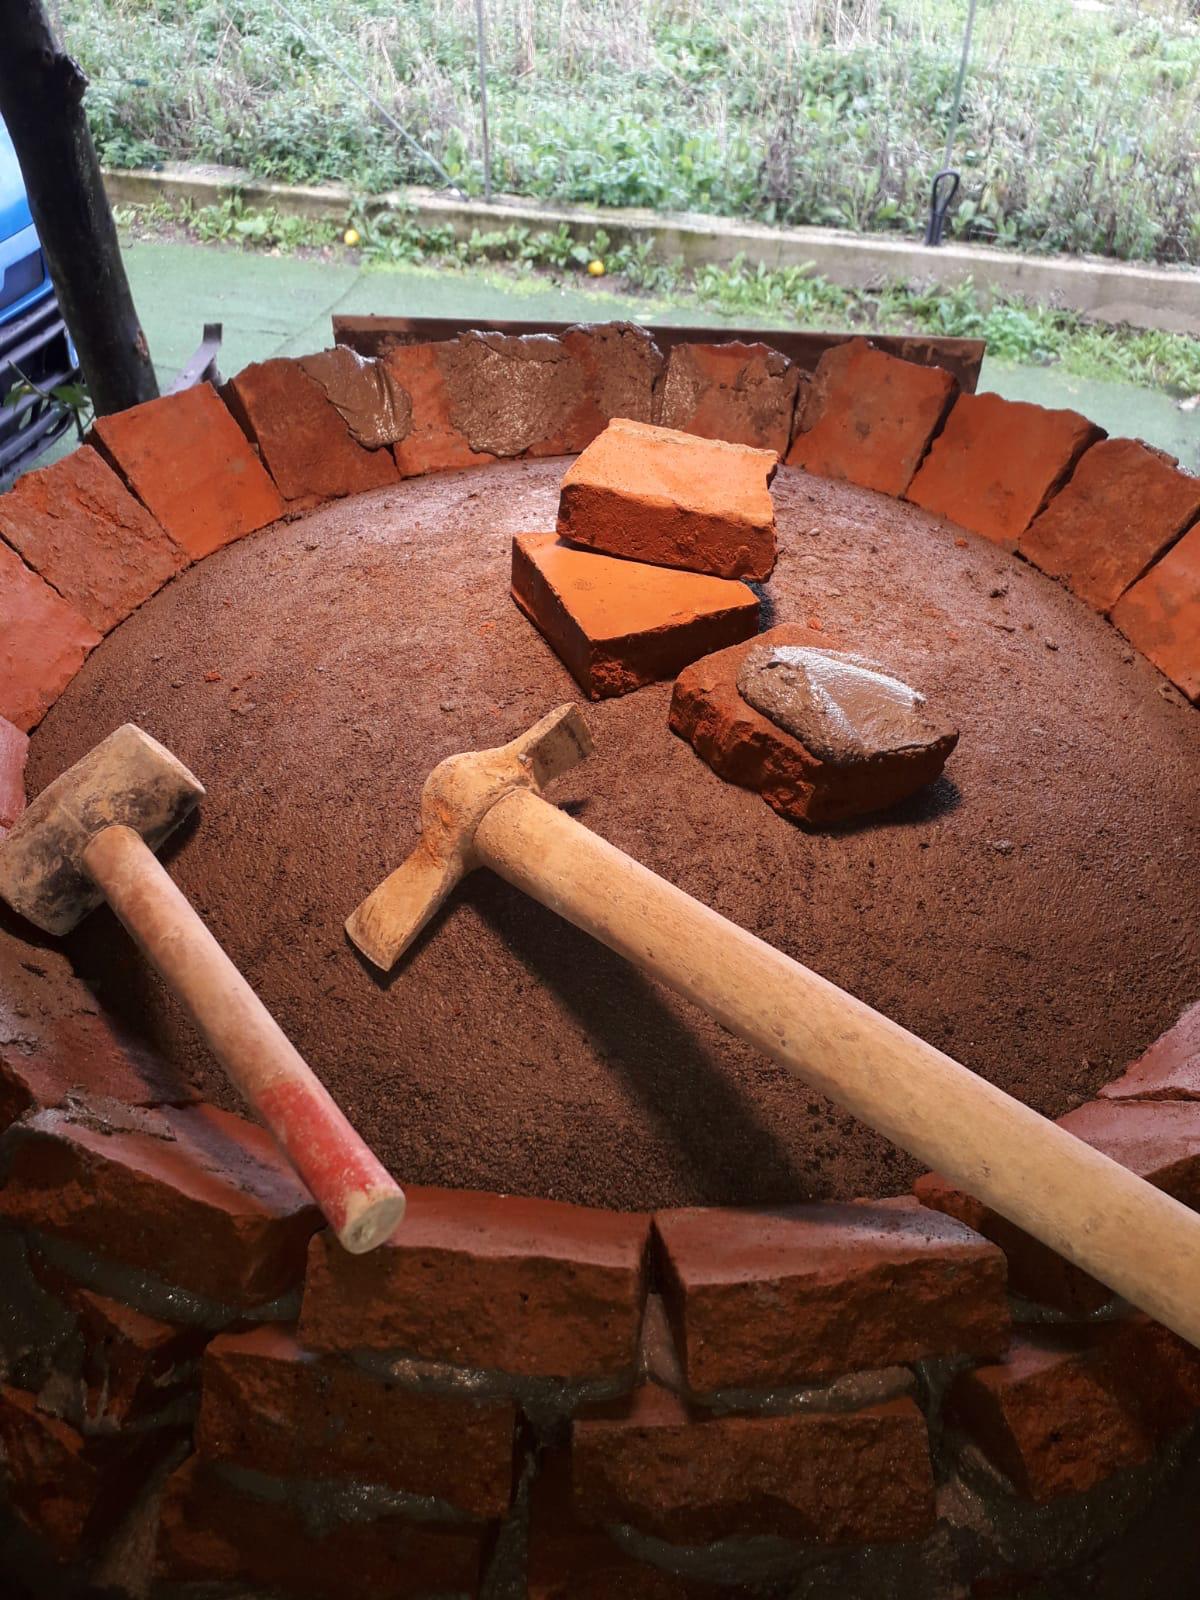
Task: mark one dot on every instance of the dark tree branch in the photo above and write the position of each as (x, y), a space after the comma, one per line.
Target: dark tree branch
(41, 101)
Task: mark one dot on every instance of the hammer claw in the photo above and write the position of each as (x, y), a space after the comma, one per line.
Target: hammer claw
(392, 916)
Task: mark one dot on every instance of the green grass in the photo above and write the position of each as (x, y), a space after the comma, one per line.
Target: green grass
(1015, 330)
(1080, 126)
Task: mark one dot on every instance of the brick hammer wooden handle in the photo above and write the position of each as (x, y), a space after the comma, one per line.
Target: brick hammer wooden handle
(359, 1198)
(1088, 1208)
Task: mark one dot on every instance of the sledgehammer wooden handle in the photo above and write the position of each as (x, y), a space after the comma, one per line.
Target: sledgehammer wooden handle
(1085, 1206)
(361, 1201)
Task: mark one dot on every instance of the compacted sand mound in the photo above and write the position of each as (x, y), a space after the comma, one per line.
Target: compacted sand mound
(1033, 913)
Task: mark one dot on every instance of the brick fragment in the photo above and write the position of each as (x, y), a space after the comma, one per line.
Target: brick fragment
(47, 1478)
(434, 441)
(530, 1287)
(43, 642)
(652, 494)
(742, 393)
(1169, 1069)
(1124, 504)
(744, 747)
(620, 365)
(1065, 1410)
(77, 525)
(269, 1404)
(189, 464)
(302, 436)
(868, 417)
(14, 750)
(618, 625)
(80, 1055)
(807, 1292)
(997, 462)
(198, 1197)
(213, 1530)
(828, 1478)
(1160, 614)
(1159, 1140)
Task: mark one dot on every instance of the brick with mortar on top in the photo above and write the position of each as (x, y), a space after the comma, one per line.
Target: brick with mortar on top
(742, 393)
(1159, 1140)
(305, 441)
(868, 417)
(809, 1292)
(271, 1405)
(214, 1530)
(43, 642)
(14, 752)
(1067, 1408)
(743, 746)
(828, 1478)
(652, 494)
(618, 625)
(1160, 614)
(997, 462)
(190, 465)
(434, 442)
(78, 525)
(1124, 504)
(535, 1288)
(198, 1197)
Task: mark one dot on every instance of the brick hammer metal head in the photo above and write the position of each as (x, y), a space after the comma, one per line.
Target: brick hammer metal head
(458, 793)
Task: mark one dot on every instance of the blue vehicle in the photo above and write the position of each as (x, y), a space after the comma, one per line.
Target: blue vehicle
(37, 357)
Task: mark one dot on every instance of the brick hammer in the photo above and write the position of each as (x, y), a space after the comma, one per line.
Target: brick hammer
(91, 836)
(485, 808)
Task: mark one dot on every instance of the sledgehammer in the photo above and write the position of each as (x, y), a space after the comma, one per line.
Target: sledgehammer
(90, 836)
(485, 809)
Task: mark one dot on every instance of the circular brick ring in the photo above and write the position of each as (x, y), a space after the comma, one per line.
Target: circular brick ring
(864, 1398)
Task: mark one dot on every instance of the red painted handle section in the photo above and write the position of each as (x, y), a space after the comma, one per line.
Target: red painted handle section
(360, 1199)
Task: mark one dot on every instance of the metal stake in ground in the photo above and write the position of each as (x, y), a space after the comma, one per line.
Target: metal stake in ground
(90, 836)
(485, 809)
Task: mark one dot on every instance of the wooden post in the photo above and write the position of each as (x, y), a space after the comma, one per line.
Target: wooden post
(41, 101)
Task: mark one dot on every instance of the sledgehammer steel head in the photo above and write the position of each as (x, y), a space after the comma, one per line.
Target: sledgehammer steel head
(130, 780)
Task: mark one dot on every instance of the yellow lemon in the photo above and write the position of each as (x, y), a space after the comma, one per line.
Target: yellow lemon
(596, 269)
(352, 237)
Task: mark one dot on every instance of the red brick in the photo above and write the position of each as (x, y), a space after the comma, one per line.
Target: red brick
(742, 393)
(14, 749)
(801, 1293)
(620, 365)
(269, 1404)
(997, 462)
(196, 1196)
(80, 1055)
(364, 393)
(1159, 1140)
(828, 1478)
(43, 642)
(1169, 1070)
(77, 525)
(618, 625)
(513, 394)
(46, 1476)
(868, 417)
(1160, 615)
(189, 463)
(1065, 1410)
(529, 1287)
(1124, 505)
(302, 437)
(744, 747)
(434, 442)
(213, 1530)
(650, 494)
(569, 1559)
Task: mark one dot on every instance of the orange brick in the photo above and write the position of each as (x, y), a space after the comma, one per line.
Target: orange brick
(434, 442)
(742, 393)
(43, 642)
(652, 494)
(1124, 505)
(190, 465)
(617, 625)
(1161, 615)
(997, 462)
